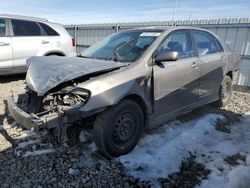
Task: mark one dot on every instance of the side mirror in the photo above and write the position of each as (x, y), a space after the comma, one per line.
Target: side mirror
(166, 56)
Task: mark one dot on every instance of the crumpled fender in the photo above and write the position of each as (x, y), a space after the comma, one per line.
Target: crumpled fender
(103, 96)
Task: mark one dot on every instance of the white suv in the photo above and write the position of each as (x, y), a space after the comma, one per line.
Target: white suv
(22, 37)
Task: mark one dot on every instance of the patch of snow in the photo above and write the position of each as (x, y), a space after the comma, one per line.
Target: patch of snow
(17, 152)
(248, 160)
(25, 144)
(27, 134)
(8, 126)
(89, 158)
(38, 152)
(238, 141)
(73, 171)
(82, 137)
(161, 152)
(237, 177)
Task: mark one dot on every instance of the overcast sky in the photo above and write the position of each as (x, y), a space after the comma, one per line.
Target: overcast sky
(105, 11)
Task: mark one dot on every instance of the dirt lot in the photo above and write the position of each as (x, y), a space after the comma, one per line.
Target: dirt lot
(31, 160)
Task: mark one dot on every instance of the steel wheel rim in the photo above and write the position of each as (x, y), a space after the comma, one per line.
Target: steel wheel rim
(124, 129)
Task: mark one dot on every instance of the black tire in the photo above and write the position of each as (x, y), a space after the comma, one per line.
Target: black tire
(224, 92)
(117, 130)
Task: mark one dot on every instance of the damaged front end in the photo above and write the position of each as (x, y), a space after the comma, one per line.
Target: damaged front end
(53, 110)
(53, 99)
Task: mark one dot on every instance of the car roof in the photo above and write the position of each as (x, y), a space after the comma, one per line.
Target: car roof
(165, 28)
(28, 18)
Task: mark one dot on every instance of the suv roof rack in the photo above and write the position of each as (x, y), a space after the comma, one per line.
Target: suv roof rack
(23, 17)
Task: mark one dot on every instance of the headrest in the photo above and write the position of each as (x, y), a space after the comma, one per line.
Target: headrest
(204, 45)
(175, 46)
(171, 44)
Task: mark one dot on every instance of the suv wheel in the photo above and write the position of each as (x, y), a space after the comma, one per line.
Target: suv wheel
(117, 130)
(225, 92)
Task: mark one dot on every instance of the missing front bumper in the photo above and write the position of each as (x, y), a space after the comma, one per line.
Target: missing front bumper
(32, 121)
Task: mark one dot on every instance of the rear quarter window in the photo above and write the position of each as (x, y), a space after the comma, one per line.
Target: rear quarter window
(219, 46)
(25, 28)
(48, 30)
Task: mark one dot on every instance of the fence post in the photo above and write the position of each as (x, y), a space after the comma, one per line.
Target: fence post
(75, 34)
(75, 37)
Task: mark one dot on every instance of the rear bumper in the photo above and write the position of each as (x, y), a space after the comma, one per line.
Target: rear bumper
(32, 121)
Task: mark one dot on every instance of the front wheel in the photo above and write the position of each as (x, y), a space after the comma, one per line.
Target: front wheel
(225, 92)
(117, 130)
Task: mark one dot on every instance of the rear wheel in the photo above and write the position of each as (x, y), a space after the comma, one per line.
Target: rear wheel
(225, 92)
(117, 130)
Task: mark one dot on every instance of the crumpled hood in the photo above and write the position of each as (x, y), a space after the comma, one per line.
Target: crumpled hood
(45, 73)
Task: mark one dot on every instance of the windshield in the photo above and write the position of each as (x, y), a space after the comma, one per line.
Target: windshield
(122, 47)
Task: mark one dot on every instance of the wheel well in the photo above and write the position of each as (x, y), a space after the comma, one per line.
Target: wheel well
(230, 74)
(55, 53)
(141, 103)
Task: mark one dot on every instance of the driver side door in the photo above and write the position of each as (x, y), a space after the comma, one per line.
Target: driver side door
(176, 83)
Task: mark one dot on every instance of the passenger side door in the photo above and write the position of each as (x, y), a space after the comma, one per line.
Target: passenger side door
(6, 59)
(27, 39)
(212, 60)
(176, 82)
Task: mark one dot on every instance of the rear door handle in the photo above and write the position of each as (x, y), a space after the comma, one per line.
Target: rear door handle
(45, 42)
(194, 65)
(4, 44)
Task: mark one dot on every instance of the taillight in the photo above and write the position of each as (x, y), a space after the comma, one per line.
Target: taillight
(73, 42)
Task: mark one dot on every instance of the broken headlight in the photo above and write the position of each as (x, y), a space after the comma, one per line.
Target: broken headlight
(67, 97)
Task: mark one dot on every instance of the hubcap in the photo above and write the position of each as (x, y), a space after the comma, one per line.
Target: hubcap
(125, 126)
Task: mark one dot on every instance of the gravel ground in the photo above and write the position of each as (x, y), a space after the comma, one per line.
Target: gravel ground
(66, 165)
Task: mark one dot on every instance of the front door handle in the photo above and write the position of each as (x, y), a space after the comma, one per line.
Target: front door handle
(194, 65)
(45, 42)
(4, 44)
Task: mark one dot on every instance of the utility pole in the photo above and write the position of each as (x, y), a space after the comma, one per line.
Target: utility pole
(175, 4)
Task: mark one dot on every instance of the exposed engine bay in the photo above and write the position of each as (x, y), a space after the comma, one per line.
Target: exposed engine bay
(56, 109)
(59, 101)
(66, 98)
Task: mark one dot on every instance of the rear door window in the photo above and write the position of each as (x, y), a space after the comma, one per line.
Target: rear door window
(48, 30)
(25, 28)
(2, 28)
(206, 43)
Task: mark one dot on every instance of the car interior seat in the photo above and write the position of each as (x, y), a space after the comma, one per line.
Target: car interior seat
(204, 47)
(175, 46)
